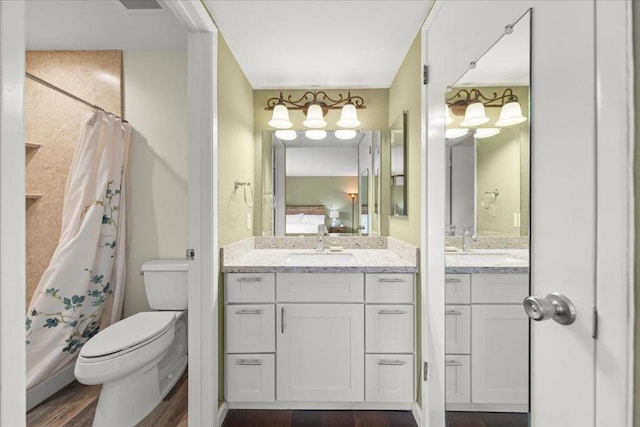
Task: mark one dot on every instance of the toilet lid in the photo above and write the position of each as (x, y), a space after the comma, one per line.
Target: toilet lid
(128, 332)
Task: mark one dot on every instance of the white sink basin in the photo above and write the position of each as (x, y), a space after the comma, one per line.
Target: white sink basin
(320, 258)
(483, 258)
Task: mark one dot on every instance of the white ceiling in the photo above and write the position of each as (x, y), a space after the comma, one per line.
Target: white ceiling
(100, 25)
(319, 43)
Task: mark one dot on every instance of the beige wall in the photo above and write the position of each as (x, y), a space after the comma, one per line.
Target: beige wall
(375, 116)
(55, 121)
(404, 94)
(236, 147)
(155, 103)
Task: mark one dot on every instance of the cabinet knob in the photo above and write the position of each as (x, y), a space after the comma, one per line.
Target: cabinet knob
(554, 306)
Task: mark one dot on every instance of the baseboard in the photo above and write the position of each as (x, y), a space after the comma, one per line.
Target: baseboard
(361, 406)
(488, 407)
(48, 387)
(417, 413)
(223, 408)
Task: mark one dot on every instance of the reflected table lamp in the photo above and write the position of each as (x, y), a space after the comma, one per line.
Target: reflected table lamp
(334, 214)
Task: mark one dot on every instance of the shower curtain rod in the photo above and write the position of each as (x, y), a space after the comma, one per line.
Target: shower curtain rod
(70, 95)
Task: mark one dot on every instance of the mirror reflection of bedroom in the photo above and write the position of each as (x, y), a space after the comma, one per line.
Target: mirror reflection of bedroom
(332, 183)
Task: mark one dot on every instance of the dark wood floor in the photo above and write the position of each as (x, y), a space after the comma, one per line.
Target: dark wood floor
(75, 405)
(486, 419)
(272, 418)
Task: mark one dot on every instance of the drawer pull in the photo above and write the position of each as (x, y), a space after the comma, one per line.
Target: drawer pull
(248, 362)
(453, 280)
(390, 280)
(391, 312)
(391, 362)
(257, 311)
(282, 320)
(453, 313)
(452, 363)
(249, 279)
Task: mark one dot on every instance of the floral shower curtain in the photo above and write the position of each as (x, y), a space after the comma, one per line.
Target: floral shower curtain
(85, 277)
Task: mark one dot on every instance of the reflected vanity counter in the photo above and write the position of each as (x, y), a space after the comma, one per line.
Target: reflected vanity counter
(320, 330)
(487, 339)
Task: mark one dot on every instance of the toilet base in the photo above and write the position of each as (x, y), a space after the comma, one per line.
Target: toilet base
(126, 402)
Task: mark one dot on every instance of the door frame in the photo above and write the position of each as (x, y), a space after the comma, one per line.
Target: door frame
(614, 347)
(202, 211)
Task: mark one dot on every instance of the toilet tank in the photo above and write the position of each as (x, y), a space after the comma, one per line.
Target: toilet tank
(165, 281)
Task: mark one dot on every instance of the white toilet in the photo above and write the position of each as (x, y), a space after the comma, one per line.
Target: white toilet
(139, 359)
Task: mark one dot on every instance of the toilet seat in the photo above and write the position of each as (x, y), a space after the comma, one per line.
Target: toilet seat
(128, 335)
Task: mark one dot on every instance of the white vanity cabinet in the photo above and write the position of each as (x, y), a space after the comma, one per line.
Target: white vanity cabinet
(487, 342)
(320, 340)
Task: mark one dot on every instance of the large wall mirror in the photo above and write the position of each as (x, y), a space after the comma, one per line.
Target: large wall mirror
(332, 182)
(487, 152)
(398, 143)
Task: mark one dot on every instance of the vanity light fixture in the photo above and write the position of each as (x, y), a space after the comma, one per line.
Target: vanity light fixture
(286, 135)
(455, 133)
(315, 134)
(448, 118)
(315, 104)
(345, 134)
(481, 133)
(472, 103)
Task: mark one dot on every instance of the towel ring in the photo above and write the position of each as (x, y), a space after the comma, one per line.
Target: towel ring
(238, 184)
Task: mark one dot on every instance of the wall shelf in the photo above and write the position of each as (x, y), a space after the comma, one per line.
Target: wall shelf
(33, 196)
(32, 145)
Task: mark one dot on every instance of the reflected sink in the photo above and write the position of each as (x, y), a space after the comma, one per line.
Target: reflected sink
(320, 258)
(483, 258)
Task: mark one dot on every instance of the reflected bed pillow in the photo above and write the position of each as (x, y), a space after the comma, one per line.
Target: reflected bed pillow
(294, 219)
(313, 219)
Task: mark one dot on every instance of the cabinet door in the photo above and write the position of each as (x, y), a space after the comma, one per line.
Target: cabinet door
(251, 378)
(458, 378)
(389, 328)
(389, 378)
(320, 352)
(250, 328)
(500, 356)
(457, 323)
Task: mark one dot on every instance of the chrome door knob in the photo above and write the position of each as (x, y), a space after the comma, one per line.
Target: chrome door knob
(554, 306)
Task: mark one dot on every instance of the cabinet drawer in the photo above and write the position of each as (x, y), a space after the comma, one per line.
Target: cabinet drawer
(320, 287)
(457, 321)
(457, 378)
(457, 288)
(389, 288)
(389, 378)
(389, 328)
(250, 287)
(499, 288)
(250, 328)
(251, 378)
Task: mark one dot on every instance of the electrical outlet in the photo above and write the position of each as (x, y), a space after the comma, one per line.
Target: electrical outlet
(248, 220)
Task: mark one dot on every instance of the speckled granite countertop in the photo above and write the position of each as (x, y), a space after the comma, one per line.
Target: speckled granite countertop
(293, 255)
(488, 261)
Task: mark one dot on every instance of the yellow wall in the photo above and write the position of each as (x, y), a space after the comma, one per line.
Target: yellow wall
(235, 160)
(375, 116)
(404, 94)
(236, 147)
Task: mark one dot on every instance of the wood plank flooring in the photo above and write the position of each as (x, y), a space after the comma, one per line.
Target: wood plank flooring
(486, 419)
(75, 405)
(277, 418)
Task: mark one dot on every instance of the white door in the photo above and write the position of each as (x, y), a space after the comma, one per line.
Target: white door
(320, 355)
(566, 234)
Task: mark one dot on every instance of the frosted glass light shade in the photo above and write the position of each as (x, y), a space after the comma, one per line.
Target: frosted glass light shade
(486, 132)
(346, 133)
(475, 115)
(510, 114)
(315, 134)
(455, 133)
(286, 135)
(349, 117)
(315, 119)
(448, 119)
(280, 118)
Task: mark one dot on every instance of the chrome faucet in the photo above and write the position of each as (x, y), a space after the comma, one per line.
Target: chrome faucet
(321, 230)
(467, 237)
